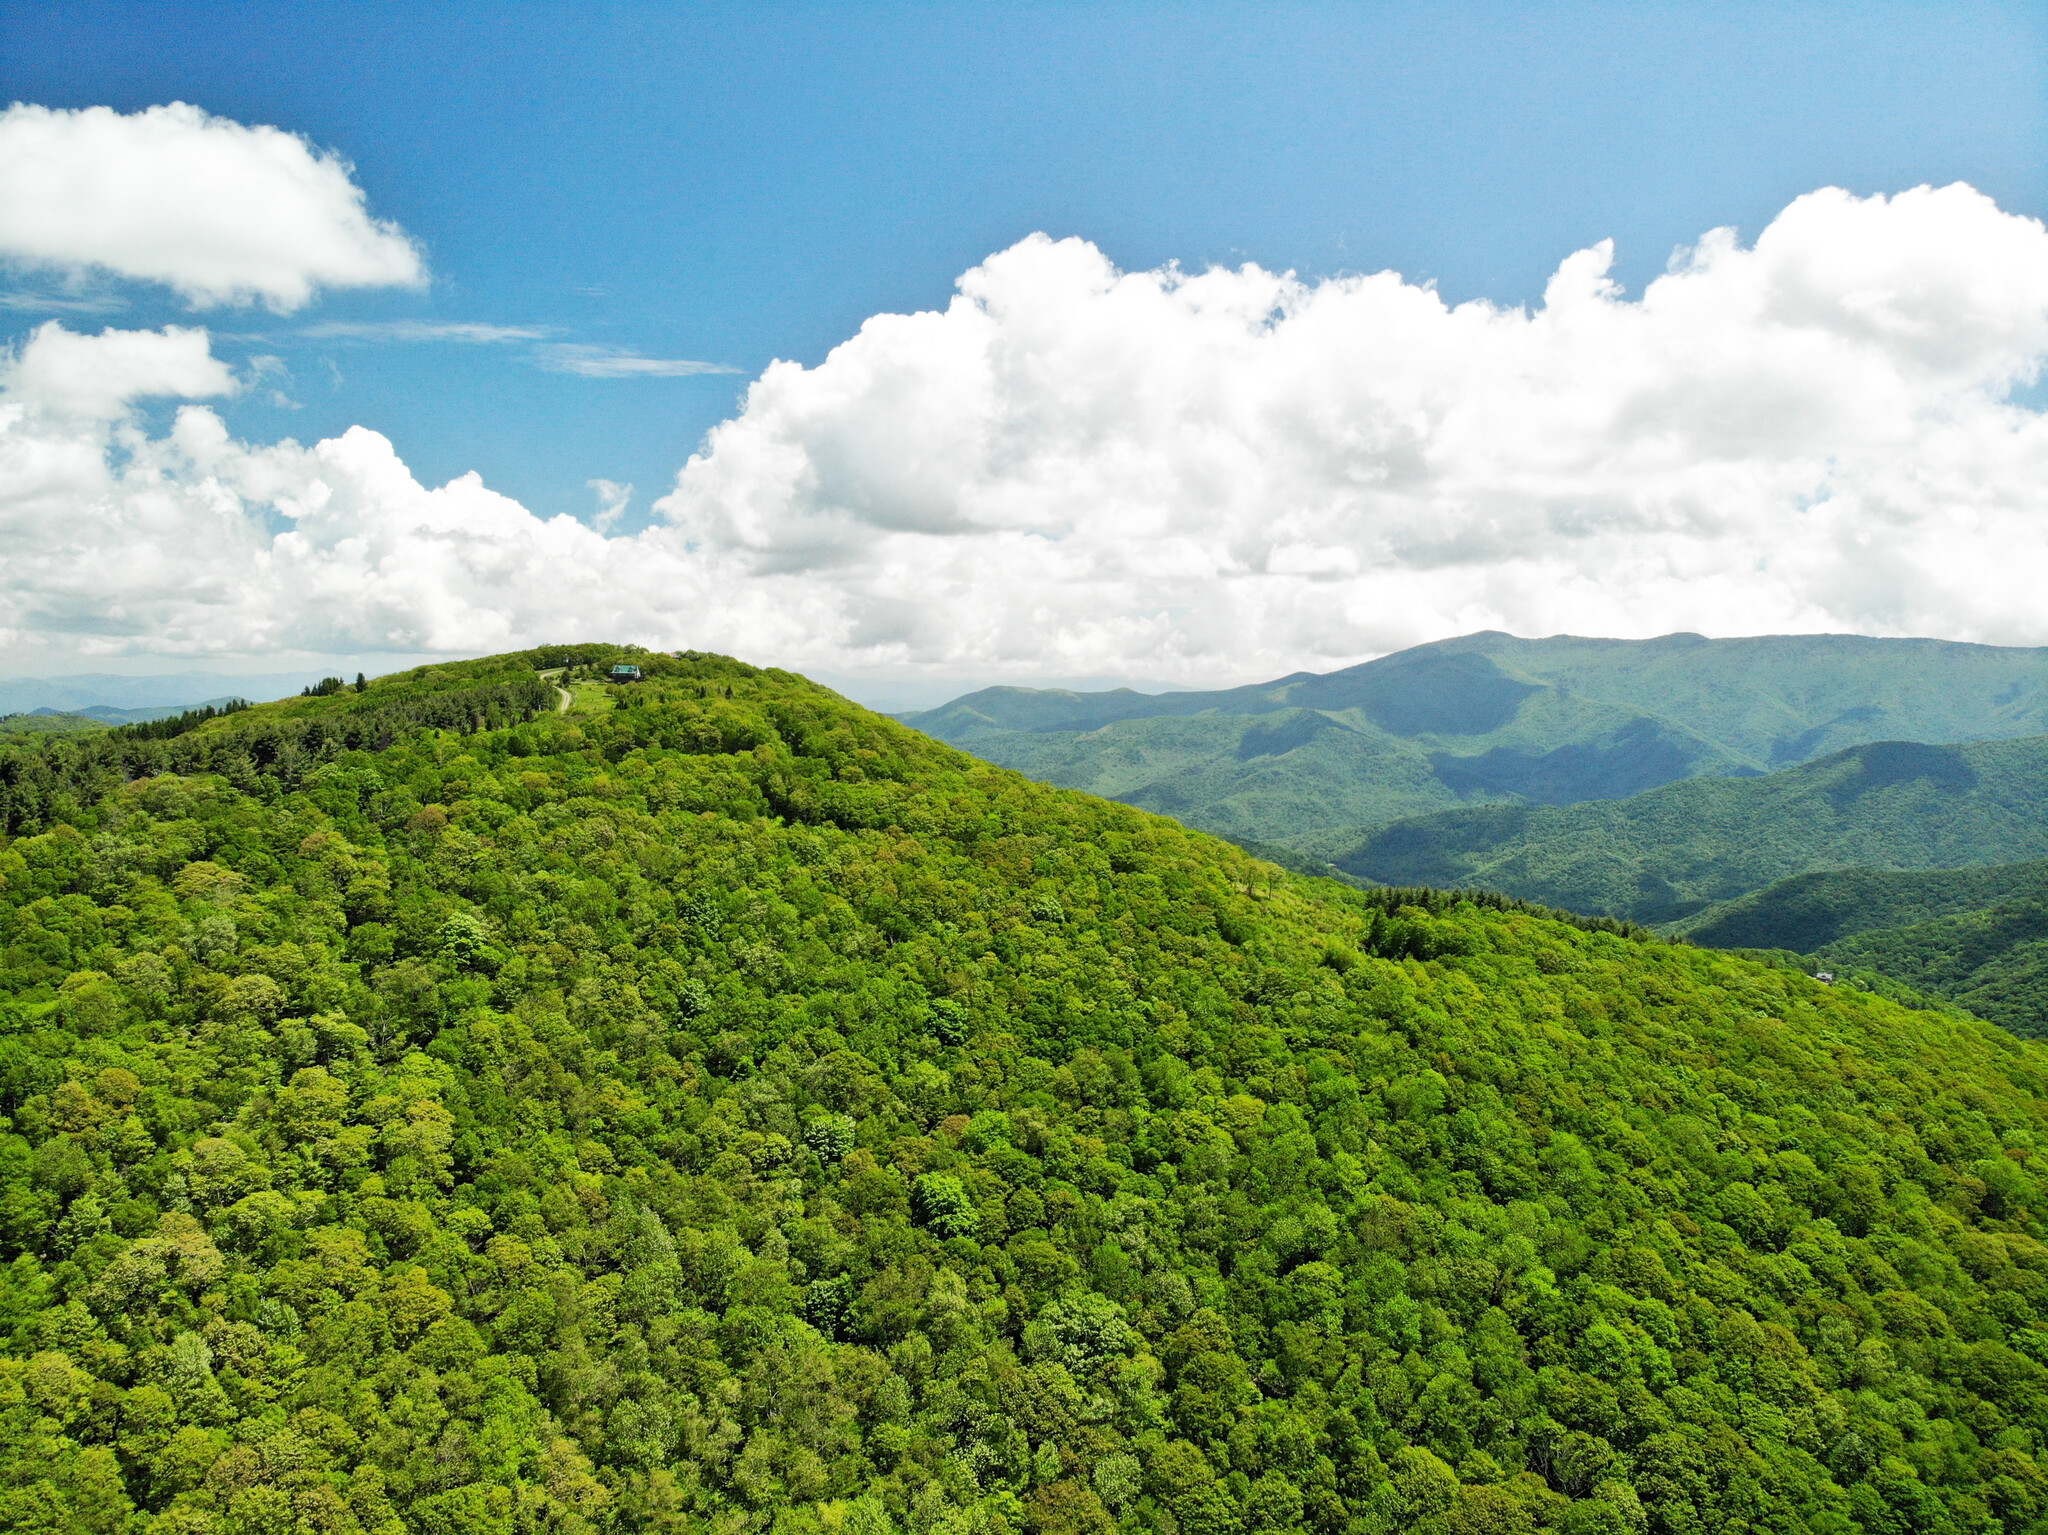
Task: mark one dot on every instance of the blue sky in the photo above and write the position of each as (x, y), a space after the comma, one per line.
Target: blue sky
(733, 184)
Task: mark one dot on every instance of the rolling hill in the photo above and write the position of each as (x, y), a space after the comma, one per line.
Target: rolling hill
(48, 722)
(1490, 718)
(720, 1108)
(105, 694)
(1672, 852)
(1809, 912)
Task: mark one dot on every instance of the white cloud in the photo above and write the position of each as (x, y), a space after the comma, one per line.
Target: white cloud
(421, 330)
(191, 543)
(618, 362)
(92, 379)
(612, 499)
(1239, 472)
(219, 211)
(1074, 469)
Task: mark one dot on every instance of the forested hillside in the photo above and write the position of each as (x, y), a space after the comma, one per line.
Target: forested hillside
(1977, 936)
(1491, 718)
(1675, 851)
(719, 1108)
(1811, 911)
(1296, 774)
(1993, 961)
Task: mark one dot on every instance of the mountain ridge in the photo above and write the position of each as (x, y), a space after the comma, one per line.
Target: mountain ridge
(1491, 718)
(1808, 912)
(1672, 852)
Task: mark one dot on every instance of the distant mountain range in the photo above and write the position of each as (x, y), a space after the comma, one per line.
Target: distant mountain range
(89, 692)
(1672, 852)
(56, 722)
(1852, 803)
(1319, 762)
(1813, 912)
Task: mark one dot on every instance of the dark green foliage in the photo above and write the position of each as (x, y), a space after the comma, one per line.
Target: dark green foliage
(733, 1111)
(1993, 962)
(551, 657)
(1391, 898)
(1671, 853)
(1977, 937)
(1812, 911)
(44, 784)
(178, 724)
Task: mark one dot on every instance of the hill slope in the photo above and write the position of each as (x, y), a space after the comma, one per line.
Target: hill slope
(721, 1108)
(1976, 936)
(1674, 851)
(1810, 911)
(1493, 718)
(1993, 961)
(38, 722)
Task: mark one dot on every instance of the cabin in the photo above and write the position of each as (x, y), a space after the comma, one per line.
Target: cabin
(625, 674)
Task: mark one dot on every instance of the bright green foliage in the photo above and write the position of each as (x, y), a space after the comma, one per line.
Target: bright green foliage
(1318, 762)
(45, 783)
(735, 1111)
(1671, 853)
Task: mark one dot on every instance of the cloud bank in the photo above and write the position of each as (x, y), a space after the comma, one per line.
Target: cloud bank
(221, 212)
(1200, 476)
(1183, 470)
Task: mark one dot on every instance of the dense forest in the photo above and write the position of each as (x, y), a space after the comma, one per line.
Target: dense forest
(1975, 936)
(1993, 961)
(720, 1108)
(50, 724)
(1811, 911)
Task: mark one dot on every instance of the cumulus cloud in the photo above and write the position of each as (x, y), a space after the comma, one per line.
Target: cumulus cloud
(190, 542)
(219, 211)
(1195, 476)
(1238, 470)
(75, 379)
